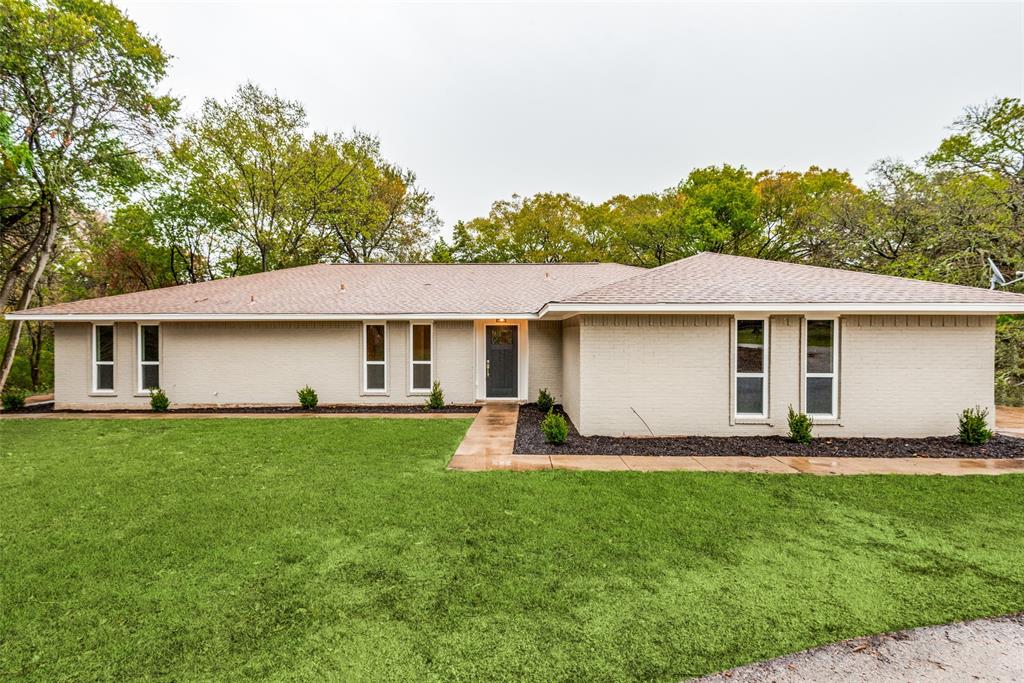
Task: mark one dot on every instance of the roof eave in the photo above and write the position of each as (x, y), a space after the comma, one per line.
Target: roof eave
(243, 317)
(562, 308)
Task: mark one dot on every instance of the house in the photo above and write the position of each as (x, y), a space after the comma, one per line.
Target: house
(711, 344)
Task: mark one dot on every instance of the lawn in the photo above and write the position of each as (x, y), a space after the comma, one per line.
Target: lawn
(341, 548)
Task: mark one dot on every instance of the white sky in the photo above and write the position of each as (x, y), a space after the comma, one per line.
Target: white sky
(483, 101)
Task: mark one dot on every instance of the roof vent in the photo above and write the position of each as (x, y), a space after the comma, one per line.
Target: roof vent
(343, 286)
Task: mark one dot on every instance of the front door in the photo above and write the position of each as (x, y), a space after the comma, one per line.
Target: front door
(502, 365)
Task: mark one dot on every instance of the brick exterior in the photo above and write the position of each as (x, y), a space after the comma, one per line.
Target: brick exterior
(899, 375)
(259, 363)
(545, 358)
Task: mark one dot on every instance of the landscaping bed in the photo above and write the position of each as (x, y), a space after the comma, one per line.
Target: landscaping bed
(530, 440)
(272, 410)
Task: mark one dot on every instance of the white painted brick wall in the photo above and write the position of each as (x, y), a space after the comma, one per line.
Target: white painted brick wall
(545, 350)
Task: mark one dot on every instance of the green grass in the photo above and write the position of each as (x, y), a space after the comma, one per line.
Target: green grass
(312, 549)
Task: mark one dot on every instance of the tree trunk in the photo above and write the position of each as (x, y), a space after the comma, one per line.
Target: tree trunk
(47, 215)
(35, 335)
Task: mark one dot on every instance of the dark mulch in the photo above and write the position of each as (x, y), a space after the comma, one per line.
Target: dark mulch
(44, 407)
(530, 440)
(276, 410)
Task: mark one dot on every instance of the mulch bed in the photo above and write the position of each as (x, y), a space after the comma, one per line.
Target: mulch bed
(43, 407)
(530, 440)
(275, 410)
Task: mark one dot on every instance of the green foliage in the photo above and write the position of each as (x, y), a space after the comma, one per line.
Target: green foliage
(158, 400)
(545, 401)
(13, 398)
(307, 397)
(1010, 361)
(436, 399)
(974, 428)
(800, 426)
(555, 428)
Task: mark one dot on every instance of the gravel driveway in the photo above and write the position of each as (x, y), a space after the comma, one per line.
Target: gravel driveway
(982, 650)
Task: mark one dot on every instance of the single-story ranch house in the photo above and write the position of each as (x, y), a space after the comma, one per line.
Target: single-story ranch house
(711, 344)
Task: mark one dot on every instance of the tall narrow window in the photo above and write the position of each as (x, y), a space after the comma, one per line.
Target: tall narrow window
(820, 368)
(149, 357)
(422, 357)
(103, 358)
(751, 368)
(375, 372)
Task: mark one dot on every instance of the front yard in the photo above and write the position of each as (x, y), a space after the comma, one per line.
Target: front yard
(341, 548)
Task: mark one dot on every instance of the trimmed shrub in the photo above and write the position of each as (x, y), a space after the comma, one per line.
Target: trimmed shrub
(555, 428)
(436, 399)
(158, 400)
(974, 429)
(800, 426)
(307, 397)
(545, 401)
(13, 398)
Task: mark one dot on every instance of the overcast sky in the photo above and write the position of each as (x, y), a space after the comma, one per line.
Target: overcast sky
(483, 101)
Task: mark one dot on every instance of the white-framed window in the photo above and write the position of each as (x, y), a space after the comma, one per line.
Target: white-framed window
(375, 358)
(103, 358)
(751, 367)
(421, 354)
(149, 357)
(821, 362)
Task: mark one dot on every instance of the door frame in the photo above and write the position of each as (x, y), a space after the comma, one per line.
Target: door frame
(523, 358)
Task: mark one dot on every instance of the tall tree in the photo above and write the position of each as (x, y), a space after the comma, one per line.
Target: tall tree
(78, 80)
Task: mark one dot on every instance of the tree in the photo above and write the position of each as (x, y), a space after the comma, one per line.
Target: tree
(544, 228)
(78, 80)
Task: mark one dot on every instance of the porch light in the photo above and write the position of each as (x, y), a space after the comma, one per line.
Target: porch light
(501, 320)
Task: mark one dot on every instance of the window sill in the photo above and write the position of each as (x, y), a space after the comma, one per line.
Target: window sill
(753, 421)
(374, 393)
(826, 421)
(103, 394)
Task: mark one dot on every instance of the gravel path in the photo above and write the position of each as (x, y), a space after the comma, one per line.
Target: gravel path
(982, 650)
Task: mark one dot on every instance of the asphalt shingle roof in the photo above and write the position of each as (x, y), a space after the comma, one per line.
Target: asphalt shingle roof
(369, 289)
(511, 289)
(709, 278)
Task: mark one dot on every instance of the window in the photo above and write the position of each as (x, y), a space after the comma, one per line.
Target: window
(375, 370)
(149, 357)
(820, 368)
(103, 358)
(751, 368)
(422, 355)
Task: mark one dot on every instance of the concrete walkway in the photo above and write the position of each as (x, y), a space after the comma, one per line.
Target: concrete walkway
(982, 650)
(1010, 421)
(491, 439)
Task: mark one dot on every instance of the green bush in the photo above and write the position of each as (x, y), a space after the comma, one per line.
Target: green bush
(158, 400)
(545, 401)
(307, 397)
(555, 428)
(974, 429)
(436, 399)
(13, 398)
(800, 426)
(1010, 361)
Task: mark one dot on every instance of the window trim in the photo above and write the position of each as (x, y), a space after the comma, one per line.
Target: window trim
(366, 363)
(736, 374)
(413, 390)
(834, 375)
(94, 363)
(138, 350)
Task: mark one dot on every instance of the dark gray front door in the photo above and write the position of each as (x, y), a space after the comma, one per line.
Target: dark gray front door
(502, 361)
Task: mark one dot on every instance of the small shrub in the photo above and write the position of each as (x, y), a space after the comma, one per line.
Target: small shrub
(545, 401)
(974, 429)
(436, 399)
(800, 426)
(307, 397)
(13, 398)
(158, 400)
(555, 428)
